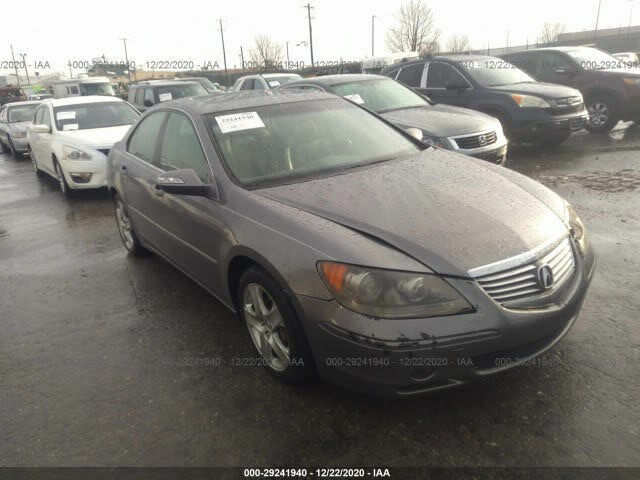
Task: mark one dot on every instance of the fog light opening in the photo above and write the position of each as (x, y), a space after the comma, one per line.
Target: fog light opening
(80, 177)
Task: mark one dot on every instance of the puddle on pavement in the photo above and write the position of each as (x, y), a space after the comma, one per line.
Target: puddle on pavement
(613, 182)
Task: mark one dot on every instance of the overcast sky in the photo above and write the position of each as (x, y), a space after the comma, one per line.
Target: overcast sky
(188, 29)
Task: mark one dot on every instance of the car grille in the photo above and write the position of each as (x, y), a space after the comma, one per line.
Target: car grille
(476, 141)
(521, 281)
(566, 110)
(104, 151)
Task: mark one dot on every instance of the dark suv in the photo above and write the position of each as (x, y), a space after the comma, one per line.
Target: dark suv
(143, 95)
(528, 110)
(611, 87)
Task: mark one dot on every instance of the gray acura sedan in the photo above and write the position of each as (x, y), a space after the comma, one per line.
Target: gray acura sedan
(348, 247)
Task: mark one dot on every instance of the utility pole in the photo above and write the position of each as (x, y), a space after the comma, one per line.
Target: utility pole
(309, 8)
(224, 52)
(595, 32)
(242, 57)
(15, 66)
(70, 72)
(24, 60)
(126, 59)
(373, 18)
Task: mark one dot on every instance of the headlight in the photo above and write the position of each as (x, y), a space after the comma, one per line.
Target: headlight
(577, 229)
(529, 101)
(635, 81)
(70, 153)
(434, 141)
(19, 134)
(391, 294)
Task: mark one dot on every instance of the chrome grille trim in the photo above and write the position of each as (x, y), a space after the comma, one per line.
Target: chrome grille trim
(469, 142)
(515, 278)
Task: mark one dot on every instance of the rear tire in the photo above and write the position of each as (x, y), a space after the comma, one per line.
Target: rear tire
(603, 113)
(3, 148)
(274, 327)
(125, 229)
(12, 150)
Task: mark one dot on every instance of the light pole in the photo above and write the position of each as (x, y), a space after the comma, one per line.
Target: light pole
(309, 8)
(126, 59)
(373, 18)
(224, 52)
(288, 64)
(595, 32)
(15, 66)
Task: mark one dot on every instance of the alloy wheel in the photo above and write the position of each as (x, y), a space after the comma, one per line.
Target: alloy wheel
(598, 114)
(266, 326)
(124, 225)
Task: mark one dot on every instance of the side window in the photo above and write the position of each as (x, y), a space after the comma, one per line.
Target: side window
(73, 90)
(247, 84)
(143, 141)
(46, 118)
(140, 96)
(440, 74)
(149, 97)
(550, 62)
(259, 84)
(181, 147)
(411, 75)
(38, 116)
(393, 73)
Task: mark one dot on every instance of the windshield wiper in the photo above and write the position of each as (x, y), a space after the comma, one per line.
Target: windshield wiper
(386, 110)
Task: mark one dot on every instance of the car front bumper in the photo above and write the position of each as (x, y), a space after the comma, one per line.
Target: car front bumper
(20, 144)
(74, 171)
(399, 358)
(551, 125)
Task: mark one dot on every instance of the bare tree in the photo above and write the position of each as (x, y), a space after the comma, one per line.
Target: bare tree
(458, 43)
(551, 31)
(414, 30)
(266, 52)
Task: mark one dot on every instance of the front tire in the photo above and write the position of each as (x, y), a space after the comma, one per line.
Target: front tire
(34, 162)
(603, 114)
(12, 150)
(274, 327)
(125, 229)
(64, 186)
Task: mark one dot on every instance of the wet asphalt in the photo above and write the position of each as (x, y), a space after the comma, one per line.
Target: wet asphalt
(111, 360)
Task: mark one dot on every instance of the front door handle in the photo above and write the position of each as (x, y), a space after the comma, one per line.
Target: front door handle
(123, 169)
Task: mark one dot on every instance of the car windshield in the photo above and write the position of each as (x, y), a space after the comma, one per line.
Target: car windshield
(21, 113)
(275, 81)
(169, 92)
(493, 72)
(380, 95)
(96, 89)
(287, 142)
(94, 115)
(594, 59)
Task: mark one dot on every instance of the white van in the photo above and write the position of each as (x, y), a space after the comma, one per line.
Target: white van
(81, 87)
(374, 65)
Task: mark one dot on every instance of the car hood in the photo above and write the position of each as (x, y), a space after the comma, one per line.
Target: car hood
(442, 120)
(450, 212)
(94, 136)
(539, 89)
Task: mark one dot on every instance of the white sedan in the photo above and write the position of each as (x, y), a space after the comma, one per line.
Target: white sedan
(70, 138)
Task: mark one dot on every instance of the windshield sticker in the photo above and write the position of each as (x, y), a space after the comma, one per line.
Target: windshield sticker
(239, 121)
(274, 83)
(70, 126)
(66, 115)
(354, 98)
(164, 97)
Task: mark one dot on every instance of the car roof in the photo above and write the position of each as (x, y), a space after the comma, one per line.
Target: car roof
(62, 102)
(329, 80)
(27, 102)
(550, 49)
(162, 82)
(241, 100)
(283, 74)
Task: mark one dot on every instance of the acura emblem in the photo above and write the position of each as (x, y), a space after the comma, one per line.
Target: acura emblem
(545, 277)
(482, 139)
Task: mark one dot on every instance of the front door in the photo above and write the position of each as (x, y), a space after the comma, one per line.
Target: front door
(440, 76)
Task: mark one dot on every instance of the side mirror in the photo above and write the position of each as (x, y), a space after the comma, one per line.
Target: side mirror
(41, 128)
(414, 132)
(148, 103)
(185, 181)
(457, 86)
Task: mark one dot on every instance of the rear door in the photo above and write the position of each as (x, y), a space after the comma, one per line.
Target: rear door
(139, 172)
(438, 76)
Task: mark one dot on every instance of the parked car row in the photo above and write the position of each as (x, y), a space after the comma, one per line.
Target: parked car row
(335, 216)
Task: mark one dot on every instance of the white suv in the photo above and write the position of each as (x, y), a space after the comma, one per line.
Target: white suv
(70, 138)
(264, 81)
